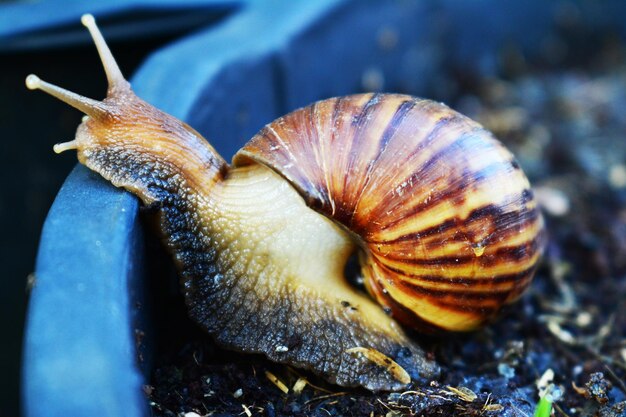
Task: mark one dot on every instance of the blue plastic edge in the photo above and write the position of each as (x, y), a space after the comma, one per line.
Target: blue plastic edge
(79, 357)
(17, 18)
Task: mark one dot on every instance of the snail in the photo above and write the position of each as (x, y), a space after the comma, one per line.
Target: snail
(443, 220)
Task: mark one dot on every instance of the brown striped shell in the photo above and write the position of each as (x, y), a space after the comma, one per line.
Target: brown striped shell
(446, 220)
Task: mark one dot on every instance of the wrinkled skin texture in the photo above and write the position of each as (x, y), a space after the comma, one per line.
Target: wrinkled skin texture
(260, 270)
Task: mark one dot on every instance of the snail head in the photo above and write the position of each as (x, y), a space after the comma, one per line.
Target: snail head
(123, 127)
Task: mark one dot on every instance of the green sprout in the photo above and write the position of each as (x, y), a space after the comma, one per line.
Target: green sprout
(544, 407)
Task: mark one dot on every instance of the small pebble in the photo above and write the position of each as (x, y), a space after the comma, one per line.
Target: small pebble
(577, 370)
(373, 79)
(387, 38)
(540, 135)
(583, 319)
(506, 371)
(555, 394)
(598, 388)
(238, 393)
(617, 176)
(553, 201)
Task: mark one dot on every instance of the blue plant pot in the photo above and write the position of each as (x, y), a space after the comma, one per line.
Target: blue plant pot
(88, 316)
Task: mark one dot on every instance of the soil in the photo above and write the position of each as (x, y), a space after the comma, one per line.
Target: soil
(566, 338)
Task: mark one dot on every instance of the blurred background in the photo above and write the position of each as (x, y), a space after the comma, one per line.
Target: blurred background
(547, 77)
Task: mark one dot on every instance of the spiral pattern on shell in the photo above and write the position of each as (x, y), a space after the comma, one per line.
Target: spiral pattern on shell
(445, 217)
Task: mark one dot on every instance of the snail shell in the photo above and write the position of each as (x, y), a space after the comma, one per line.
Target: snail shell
(443, 219)
(443, 214)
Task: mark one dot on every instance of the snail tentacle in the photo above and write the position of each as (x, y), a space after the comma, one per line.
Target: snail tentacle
(114, 74)
(90, 107)
(65, 146)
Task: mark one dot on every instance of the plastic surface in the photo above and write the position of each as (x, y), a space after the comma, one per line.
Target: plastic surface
(79, 347)
(266, 58)
(40, 24)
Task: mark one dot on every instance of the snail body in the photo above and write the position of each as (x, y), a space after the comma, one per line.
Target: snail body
(442, 217)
